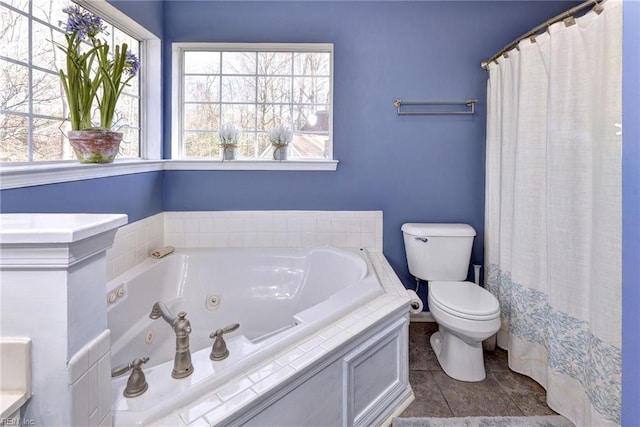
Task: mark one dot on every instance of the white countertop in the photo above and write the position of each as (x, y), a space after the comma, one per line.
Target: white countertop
(15, 376)
(55, 227)
(10, 402)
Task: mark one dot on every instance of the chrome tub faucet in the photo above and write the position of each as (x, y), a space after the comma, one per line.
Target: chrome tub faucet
(182, 366)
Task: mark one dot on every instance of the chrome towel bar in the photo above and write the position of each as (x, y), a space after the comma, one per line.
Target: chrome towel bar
(470, 104)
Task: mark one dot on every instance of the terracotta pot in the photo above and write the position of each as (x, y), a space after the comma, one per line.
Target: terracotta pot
(95, 145)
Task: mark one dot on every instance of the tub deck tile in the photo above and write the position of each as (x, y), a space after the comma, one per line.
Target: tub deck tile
(232, 388)
(337, 340)
(263, 371)
(305, 360)
(330, 332)
(219, 413)
(197, 410)
(311, 343)
(288, 357)
(274, 379)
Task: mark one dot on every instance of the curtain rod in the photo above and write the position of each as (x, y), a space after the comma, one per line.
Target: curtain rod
(569, 13)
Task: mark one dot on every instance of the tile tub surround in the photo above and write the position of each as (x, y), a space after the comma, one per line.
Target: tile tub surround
(134, 243)
(280, 229)
(245, 392)
(217, 229)
(90, 383)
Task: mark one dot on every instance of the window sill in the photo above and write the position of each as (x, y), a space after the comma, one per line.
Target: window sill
(27, 175)
(256, 165)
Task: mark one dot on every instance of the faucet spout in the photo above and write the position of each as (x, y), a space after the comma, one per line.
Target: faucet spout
(182, 366)
(160, 309)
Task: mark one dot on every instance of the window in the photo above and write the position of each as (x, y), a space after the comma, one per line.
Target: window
(33, 108)
(254, 87)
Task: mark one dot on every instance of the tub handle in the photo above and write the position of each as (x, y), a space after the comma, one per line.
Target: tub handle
(219, 351)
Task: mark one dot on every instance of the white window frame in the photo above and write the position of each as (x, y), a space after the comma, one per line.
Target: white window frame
(39, 173)
(177, 67)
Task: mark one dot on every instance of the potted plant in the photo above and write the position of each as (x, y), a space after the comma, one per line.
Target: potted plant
(280, 137)
(228, 135)
(93, 76)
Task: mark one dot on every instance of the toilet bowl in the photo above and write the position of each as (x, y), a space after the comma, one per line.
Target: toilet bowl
(466, 315)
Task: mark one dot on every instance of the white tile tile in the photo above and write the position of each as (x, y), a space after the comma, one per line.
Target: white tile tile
(265, 240)
(263, 371)
(331, 332)
(172, 420)
(311, 343)
(324, 225)
(200, 422)
(337, 340)
(196, 410)
(107, 421)
(222, 411)
(205, 225)
(289, 357)
(104, 385)
(93, 386)
(339, 225)
(250, 225)
(346, 322)
(220, 224)
(273, 380)
(339, 239)
(307, 358)
(80, 401)
(294, 240)
(233, 387)
(236, 240)
(78, 365)
(280, 224)
(353, 240)
(294, 224)
(220, 240)
(93, 419)
(235, 225)
(191, 240)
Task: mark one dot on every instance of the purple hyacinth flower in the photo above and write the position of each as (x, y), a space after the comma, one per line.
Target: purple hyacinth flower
(85, 24)
(132, 64)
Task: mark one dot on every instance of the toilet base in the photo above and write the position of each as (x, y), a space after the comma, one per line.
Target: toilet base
(459, 359)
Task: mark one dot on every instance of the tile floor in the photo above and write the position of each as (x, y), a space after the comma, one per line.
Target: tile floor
(502, 393)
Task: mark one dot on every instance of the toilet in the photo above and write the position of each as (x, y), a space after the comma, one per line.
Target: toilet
(466, 313)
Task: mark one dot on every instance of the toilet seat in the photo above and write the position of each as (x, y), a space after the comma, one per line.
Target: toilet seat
(464, 299)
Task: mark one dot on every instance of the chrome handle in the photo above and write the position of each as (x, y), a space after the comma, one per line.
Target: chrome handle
(422, 239)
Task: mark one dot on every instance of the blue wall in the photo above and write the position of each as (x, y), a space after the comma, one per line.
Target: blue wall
(415, 169)
(149, 13)
(631, 216)
(137, 195)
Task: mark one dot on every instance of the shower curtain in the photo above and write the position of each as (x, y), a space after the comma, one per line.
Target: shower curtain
(553, 215)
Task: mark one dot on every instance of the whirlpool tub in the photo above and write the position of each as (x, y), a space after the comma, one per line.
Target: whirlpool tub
(291, 306)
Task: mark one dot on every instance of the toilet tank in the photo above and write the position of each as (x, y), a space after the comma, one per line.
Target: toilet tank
(438, 251)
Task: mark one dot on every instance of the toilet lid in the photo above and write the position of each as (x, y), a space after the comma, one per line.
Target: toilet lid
(464, 299)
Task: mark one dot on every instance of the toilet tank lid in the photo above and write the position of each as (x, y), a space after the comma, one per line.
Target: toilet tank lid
(438, 230)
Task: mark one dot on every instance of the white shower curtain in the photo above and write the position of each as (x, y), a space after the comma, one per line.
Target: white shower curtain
(553, 212)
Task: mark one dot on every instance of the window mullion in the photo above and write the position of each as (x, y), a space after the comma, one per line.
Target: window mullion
(30, 88)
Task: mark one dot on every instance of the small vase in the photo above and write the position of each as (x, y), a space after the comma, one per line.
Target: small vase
(280, 152)
(229, 152)
(95, 145)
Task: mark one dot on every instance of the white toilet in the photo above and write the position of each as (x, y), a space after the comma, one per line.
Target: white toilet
(466, 313)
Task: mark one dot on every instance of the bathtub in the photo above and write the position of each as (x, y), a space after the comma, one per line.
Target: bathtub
(279, 297)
